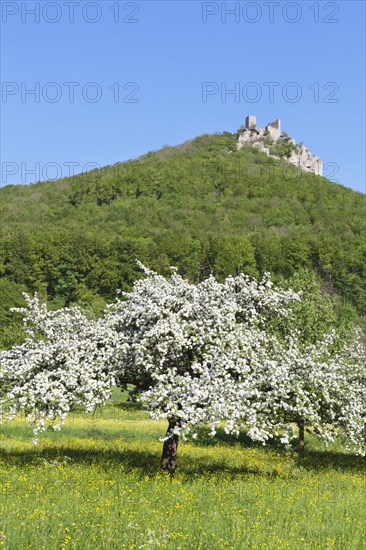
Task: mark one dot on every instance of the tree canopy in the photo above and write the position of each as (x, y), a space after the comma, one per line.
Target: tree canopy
(201, 354)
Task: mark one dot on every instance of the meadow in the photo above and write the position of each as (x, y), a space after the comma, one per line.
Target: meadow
(97, 485)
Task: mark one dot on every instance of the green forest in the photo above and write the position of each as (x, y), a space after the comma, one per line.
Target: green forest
(202, 206)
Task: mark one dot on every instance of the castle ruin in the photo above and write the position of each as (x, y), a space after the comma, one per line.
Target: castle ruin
(274, 143)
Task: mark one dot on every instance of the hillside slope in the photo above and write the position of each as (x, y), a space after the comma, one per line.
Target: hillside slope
(202, 206)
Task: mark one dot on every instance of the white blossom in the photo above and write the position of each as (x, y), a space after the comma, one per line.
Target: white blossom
(204, 354)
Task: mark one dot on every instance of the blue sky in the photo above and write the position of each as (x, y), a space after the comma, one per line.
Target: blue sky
(138, 75)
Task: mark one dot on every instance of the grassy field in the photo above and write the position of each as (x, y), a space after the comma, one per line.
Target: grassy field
(96, 485)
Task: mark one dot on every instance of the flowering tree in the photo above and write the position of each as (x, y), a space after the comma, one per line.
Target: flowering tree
(64, 362)
(200, 354)
(318, 386)
(195, 349)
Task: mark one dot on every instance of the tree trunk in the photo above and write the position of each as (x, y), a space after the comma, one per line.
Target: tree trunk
(301, 426)
(170, 447)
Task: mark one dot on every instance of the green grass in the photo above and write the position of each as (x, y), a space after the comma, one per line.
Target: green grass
(97, 485)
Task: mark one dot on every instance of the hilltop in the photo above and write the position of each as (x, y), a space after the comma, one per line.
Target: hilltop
(204, 206)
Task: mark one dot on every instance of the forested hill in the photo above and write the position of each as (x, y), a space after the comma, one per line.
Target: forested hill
(202, 206)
